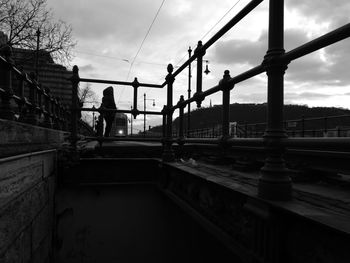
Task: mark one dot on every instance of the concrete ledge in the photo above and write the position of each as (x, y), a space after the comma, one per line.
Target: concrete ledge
(302, 230)
(17, 138)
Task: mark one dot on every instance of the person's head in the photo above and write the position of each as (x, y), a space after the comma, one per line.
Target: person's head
(108, 92)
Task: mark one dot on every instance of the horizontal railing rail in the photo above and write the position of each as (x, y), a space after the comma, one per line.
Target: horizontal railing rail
(275, 182)
(40, 102)
(237, 18)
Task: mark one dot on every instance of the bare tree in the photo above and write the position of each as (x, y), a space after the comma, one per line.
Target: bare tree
(87, 95)
(20, 20)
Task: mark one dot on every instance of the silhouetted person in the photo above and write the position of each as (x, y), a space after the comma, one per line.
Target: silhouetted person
(108, 103)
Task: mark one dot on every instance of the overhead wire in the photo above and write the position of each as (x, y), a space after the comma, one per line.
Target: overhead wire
(227, 12)
(119, 58)
(143, 41)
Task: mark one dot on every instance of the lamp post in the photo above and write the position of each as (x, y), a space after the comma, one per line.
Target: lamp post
(189, 93)
(206, 71)
(144, 114)
(131, 122)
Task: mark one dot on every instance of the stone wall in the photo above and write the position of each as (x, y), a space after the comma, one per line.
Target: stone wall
(17, 138)
(27, 188)
(256, 230)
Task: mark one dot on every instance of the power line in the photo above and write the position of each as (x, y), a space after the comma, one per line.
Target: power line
(211, 28)
(220, 19)
(103, 56)
(144, 39)
(122, 59)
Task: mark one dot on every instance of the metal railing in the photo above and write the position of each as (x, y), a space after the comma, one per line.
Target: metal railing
(41, 108)
(274, 182)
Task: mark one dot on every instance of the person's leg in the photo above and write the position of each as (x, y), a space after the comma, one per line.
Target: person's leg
(109, 121)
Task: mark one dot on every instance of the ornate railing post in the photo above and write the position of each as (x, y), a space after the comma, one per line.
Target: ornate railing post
(168, 154)
(59, 114)
(22, 104)
(6, 108)
(135, 85)
(274, 182)
(74, 107)
(181, 120)
(40, 109)
(163, 125)
(189, 93)
(226, 88)
(200, 52)
(31, 117)
(47, 113)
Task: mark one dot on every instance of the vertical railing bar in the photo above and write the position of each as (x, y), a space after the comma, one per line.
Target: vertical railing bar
(274, 182)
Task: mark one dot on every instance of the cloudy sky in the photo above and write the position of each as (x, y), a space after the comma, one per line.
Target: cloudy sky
(109, 34)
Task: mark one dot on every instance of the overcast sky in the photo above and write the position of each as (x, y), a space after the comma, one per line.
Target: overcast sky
(109, 34)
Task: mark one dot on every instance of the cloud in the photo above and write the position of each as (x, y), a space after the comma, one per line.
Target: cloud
(116, 28)
(307, 96)
(334, 12)
(87, 68)
(329, 67)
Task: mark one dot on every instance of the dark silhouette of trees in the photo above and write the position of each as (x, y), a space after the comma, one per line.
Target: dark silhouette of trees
(256, 113)
(21, 19)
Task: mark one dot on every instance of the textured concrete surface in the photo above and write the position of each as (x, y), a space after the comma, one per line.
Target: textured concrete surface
(27, 187)
(17, 138)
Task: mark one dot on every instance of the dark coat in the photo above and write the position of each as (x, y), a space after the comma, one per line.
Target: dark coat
(108, 103)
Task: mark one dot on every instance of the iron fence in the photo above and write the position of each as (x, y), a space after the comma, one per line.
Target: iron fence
(41, 108)
(274, 182)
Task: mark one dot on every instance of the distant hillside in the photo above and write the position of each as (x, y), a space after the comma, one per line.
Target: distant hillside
(256, 113)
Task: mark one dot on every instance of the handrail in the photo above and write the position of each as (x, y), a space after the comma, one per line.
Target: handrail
(238, 17)
(40, 100)
(103, 81)
(318, 43)
(235, 80)
(120, 111)
(274, 183)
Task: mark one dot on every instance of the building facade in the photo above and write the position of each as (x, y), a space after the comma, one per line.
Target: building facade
(50, 75)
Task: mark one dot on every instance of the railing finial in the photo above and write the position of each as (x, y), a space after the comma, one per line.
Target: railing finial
(170, 68)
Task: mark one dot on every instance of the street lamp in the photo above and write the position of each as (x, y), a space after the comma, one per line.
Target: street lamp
(144, 114)
(206, 71)
(189, 92)
(131, 122)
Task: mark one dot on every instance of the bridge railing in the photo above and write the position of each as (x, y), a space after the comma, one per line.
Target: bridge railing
(75, 79)
(40, 108)
(274, 182)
